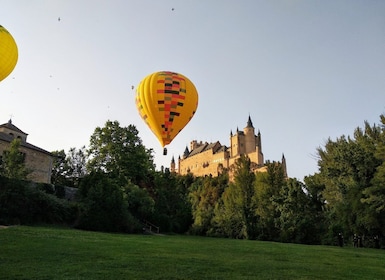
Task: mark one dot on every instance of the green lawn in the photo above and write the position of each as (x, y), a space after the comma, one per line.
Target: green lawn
(59, 253)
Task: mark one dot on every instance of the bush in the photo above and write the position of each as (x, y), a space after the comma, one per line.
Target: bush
(47, 188)
(104, 207)
(60, 191)
(23, 203)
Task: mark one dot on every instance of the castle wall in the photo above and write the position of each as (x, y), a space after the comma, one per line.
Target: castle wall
(250, 141)
(201, 162)
(204, 163)
(237, 144)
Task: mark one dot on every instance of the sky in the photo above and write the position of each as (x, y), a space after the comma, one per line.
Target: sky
(304, 70)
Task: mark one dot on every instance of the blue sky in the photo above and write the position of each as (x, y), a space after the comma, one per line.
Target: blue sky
(303, 70)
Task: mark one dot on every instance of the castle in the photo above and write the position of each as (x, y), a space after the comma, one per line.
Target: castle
(204, 159)
(37, 160)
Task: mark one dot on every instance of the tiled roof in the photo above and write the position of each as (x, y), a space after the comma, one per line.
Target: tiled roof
(211, 146)
(8, 138)
(217, 147)
(221, 149)
(198, 150)
(9, 125)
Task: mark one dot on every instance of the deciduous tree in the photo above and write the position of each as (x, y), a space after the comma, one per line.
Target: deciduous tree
(350, 171)
(204, 194)
(12, 162)
(235, 214)
(119, 151)
(268, 185)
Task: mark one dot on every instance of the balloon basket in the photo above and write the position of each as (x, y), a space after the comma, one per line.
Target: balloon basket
(165, 151)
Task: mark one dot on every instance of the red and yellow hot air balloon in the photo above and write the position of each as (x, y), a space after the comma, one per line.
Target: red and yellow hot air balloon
(166, 101)
(8, 53)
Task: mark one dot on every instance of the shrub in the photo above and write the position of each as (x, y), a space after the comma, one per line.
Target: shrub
(23, 203)
(104, 207)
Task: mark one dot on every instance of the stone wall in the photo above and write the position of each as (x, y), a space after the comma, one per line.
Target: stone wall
(204, 163)
(39, 163)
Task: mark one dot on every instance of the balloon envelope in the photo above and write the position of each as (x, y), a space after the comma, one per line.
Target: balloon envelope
(8, 53)
(166, 101)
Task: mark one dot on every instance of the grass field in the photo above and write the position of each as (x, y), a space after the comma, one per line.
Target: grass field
(60, 253)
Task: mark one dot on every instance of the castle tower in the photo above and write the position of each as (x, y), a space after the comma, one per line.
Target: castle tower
(283, 161)
(186, 153)
(237, 143)
(179, 164)
(193, 145)
(172, 165)
(250, 139)
(258, 141)
(233, 144)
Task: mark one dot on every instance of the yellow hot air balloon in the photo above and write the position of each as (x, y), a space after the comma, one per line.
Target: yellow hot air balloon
(8, 53)
(166, 101)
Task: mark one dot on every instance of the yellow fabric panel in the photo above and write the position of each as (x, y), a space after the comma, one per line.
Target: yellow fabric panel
(8, 53)
(166, 101)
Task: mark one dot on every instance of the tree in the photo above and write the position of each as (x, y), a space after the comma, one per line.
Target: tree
(314, 189)
(204, 194)
(12, 164)
(244, 178)
(60, 169)
(140, 203)
(235, 214)
(77, 161)
(103, 205)
(374, 195)
(350, 171)
(268, 185)
(119, 152)
(297, 222)
(69, 168)
(172, 207)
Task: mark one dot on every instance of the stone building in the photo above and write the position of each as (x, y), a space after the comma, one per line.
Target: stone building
(203, 159)
(37, 160)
